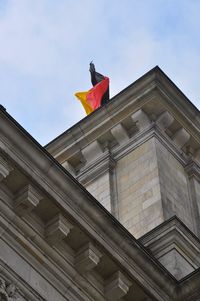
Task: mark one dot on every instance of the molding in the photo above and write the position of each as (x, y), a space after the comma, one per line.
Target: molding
(45, 260)
(193, 170)
(108, 160)
(25, 291)
(173, 234)
(101, 165)
(154, 85)
(140, 138)
(75, 201)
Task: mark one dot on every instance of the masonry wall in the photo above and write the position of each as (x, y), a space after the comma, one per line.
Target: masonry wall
(151, 186)
(24, 269)
(139, 198)
(194, 187)
(100, 189)
(197, 192)
(174, 187)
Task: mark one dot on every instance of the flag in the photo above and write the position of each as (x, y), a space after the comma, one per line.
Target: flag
(98, 95)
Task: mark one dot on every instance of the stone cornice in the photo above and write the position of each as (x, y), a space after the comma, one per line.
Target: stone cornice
(82, 207)
(53, 180)
(173, 232)
(101, 165)
(151, 131)
(193, 169)
(154, 85)
(107, 160)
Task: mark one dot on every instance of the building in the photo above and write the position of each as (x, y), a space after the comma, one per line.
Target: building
(110, 209)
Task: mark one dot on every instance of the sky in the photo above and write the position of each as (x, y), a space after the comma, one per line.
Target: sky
(46, 47)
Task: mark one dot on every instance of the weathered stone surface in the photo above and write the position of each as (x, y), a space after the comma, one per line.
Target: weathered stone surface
(176, 264)
(164, 120)
(120, 133)
(141, 119)
(181, 137)
(87, 258)
(57, 229)
(27, 199)
(9, 292)
(176, 248)
(5, 168)
(145, 175)
(92, 151)
(139, 197)
(117, 287)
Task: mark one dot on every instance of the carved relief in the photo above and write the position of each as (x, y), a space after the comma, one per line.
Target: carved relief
(9, 292)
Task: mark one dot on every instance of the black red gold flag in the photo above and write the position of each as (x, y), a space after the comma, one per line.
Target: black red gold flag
(98, 95)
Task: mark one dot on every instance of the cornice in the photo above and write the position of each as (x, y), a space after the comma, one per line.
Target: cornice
(173, 233)
(193, 169)
(154, 85)
(104, 163)
(55, 181)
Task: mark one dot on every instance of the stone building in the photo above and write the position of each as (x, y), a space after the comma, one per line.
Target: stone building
(110, 209)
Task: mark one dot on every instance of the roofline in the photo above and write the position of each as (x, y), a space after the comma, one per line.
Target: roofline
(123, 231)
(155, 70)
(97, 203)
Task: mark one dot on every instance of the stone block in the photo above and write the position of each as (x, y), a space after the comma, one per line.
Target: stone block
(181, 137)
(69, 167)
(87, 258)
(120, 133)
(27, 199)
(92, 151)
(5, 168)
(117, 287)
(164, 120)
(57, 229)
(141, 119)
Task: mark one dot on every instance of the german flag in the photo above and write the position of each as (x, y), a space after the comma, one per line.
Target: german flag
(98, 95)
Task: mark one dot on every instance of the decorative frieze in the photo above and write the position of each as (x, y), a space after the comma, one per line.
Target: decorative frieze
(57, 229)
(117, 287)
(5, 168)
(27, 199)
(9, 292)
(87, 258)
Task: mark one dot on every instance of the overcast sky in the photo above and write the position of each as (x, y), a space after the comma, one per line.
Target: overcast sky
(46, 47)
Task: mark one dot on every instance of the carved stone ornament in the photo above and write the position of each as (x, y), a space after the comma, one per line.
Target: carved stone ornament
(9, 292)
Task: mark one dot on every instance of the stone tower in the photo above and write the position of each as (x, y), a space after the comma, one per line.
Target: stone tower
(139, 157)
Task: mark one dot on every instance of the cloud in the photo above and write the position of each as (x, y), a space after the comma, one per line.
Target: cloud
(46, 47)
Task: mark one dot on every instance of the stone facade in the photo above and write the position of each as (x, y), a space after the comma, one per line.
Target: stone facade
(133, 232)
